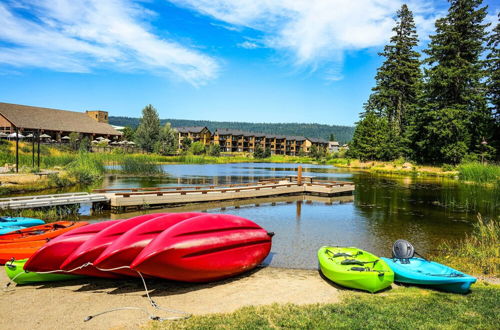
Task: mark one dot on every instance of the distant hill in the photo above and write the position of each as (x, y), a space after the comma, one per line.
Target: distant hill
(343, 134)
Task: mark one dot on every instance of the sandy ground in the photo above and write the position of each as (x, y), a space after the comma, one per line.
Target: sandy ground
(64, 305)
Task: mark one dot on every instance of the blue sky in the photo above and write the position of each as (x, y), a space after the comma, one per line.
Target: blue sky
(238, 60)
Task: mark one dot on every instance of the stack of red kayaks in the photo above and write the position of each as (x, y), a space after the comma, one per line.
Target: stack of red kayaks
(192, 247)
(21, 244)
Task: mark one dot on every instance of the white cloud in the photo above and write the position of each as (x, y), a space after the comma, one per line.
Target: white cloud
(73, 36)
(248, 45)
(315, 32)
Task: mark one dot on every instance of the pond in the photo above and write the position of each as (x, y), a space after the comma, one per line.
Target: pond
(424, 211)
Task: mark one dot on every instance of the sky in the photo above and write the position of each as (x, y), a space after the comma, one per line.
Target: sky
(222, 60)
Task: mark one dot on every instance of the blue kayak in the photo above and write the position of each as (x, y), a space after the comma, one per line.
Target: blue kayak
(19, 221)
(431, 274)
(6, 230)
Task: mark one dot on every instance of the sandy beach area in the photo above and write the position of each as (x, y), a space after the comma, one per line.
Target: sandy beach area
(64, 305)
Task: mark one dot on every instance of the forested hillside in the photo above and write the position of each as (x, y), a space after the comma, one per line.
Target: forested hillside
(342, 134)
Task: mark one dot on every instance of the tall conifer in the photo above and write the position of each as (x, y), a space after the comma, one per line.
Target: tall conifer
(148, 131)
(493, 83)
(397, 86)
(455, 116)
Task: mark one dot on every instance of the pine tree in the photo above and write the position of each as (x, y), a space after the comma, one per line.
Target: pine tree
(493, 83)
(148, 131)
(168, 142)
(371, 138)
(454, 116)
(399, 78)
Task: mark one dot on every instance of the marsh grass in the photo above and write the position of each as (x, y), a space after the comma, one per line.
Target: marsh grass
(479, 173)
(135, 166)
(478, 252)
(86, 169)
(403, 308)
(65, 212)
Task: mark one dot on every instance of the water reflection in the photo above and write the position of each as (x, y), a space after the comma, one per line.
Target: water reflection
(424, 211)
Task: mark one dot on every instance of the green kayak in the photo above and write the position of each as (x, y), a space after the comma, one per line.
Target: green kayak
(355, 268)
(15, 271)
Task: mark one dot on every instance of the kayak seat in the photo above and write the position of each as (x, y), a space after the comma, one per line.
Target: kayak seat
(403, 250)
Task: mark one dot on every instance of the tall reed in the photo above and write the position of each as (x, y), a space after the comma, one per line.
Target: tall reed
(480, 173)
(478, 252)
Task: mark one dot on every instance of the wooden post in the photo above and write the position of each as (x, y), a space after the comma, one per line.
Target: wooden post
(17, 150)
(299, 176)
(38, 136)
(33, 149)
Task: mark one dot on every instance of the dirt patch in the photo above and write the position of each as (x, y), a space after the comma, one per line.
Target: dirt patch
(64, 305)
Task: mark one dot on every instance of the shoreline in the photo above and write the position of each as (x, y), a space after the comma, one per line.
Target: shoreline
(66, 304)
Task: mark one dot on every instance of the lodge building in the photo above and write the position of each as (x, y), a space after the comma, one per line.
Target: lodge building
(240, 141)
(55, 124)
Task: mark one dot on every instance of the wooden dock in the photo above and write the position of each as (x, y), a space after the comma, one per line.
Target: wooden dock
(137, 198)
(27, 202)
(130, 199)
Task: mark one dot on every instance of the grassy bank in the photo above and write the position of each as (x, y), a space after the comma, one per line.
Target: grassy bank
(478, 253)
(67, 212)
(403, 308)
(479, 173)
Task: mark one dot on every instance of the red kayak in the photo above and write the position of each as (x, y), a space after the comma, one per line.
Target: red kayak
(42, 232)
(205, 248)
(126, 247)
(95, 245)
(51, 256)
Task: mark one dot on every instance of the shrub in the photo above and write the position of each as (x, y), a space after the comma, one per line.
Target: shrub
(197, 148)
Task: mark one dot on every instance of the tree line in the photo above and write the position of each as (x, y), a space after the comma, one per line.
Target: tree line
(343, 134)
(442, 107)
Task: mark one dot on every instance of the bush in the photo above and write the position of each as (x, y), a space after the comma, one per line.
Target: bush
(447, 168)
(197, 148)
(213, 150)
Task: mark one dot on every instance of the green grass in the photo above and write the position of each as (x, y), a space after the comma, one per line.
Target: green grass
(480, 173)
(404, 308)
(477, 253)
(132, 165)
(69, 212)
(85, 168)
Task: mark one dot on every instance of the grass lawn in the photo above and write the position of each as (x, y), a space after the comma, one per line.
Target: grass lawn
(401, 308)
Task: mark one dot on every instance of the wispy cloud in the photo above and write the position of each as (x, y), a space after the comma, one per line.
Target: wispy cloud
(78, 36)
(315, 32)
(248, 45)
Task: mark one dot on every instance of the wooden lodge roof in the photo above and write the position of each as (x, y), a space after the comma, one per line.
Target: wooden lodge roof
(28, 117)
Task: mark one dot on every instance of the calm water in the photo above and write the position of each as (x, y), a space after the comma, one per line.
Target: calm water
(422, 210)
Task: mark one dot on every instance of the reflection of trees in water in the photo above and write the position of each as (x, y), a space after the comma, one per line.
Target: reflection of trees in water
(408, 208)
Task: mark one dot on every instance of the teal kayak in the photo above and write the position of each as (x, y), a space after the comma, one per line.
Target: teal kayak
(19, 221)
(431, 274)
(6, 230)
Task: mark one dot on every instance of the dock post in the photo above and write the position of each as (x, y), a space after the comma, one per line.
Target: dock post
(299, 176)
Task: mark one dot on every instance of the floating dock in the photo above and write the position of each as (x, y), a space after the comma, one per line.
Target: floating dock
(137, 198)
(129, 199)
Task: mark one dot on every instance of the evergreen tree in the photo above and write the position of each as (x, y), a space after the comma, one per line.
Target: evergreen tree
(332, 137)
(148, 131)
(493, 83)
(128, 133)
(454, 116)
(398, 80)
(168, 142)
(371, 138)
